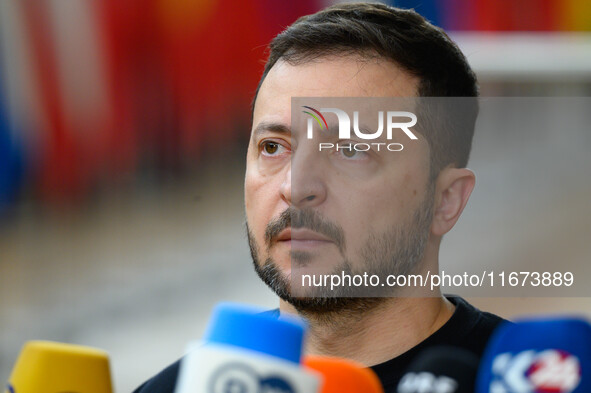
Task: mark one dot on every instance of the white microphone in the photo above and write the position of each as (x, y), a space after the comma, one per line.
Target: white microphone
(247, 351)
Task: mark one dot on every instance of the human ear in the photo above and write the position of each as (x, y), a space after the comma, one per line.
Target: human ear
(453, 188)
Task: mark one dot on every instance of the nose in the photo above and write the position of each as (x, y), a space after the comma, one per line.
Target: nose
(304, 185)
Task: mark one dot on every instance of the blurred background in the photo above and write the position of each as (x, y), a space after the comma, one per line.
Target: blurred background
(123, 131)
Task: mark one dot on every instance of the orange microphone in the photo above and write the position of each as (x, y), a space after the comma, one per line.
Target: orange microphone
(343, 376)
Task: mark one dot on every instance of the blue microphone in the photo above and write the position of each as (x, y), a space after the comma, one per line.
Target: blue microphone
(549, 355)
(248, 351)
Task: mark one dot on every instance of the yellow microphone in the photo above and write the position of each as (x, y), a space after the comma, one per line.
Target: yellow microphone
(51, 367)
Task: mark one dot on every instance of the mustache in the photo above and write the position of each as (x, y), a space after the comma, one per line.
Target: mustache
(307, 218)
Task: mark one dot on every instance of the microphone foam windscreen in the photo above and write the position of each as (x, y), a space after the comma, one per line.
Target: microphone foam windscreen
(248, 327)
(50, 367)
(343, 376)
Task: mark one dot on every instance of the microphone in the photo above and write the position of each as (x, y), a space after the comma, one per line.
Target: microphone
(442, 369)
(550, 355)
(50, 367)
(245, 350)
(343, 376)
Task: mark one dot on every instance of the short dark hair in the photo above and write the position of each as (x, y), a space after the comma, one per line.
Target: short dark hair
(404, 37)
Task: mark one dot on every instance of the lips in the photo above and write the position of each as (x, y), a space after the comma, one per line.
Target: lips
(303, 235)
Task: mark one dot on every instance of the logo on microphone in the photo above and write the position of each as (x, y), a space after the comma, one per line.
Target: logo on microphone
(549, 371)
(426, 382)
(241, 378)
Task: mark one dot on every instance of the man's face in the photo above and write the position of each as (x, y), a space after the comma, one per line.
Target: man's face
(329, 212)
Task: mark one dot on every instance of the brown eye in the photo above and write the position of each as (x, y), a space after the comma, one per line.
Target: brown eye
(349, 152)
(270, 147)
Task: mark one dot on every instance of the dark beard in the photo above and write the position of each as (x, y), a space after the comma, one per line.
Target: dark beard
(397, 252)
(316, 305)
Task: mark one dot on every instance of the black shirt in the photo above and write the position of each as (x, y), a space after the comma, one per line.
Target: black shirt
(468, 328)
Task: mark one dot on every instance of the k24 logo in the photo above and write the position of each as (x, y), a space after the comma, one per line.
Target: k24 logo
(548, 371)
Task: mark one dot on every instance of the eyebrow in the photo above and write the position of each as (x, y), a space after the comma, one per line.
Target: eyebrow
(281, 128)
(271, 126)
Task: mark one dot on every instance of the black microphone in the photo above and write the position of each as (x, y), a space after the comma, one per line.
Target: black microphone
(443, 369)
